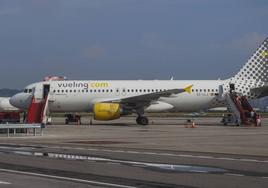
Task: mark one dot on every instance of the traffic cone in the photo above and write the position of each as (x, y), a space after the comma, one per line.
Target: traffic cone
(193, 125)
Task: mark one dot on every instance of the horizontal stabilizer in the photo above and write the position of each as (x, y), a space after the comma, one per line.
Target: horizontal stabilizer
(260, 91)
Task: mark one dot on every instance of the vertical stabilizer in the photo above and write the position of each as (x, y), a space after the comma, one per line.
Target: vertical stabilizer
(254, 73)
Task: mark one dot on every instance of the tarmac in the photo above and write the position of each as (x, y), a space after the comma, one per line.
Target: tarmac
(122, 154)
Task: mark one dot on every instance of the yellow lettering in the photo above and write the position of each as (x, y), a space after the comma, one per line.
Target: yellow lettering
(99, 84)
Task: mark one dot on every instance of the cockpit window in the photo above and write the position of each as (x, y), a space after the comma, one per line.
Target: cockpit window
(27, 90)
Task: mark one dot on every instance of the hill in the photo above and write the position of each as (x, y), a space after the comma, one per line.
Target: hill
(8, 92)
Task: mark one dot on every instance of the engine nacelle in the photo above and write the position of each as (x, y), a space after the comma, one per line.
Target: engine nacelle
(106, 111)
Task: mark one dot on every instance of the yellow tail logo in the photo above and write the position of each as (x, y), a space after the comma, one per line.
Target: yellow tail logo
(263, 54)
(188, 89)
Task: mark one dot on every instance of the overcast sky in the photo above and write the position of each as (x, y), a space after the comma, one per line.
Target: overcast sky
(127, 39)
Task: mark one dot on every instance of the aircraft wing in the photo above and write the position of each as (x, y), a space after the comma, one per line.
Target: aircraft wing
(260, 91)
(144, 99)
(152, 96)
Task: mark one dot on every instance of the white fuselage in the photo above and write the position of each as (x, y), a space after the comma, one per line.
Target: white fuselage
(80, 96)
(5, 106)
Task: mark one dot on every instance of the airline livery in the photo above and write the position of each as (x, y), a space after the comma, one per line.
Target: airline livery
(109, 100)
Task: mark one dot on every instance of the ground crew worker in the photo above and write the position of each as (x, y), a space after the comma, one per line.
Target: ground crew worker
(258, 120)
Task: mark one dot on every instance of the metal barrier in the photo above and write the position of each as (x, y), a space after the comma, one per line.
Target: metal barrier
(14, 127)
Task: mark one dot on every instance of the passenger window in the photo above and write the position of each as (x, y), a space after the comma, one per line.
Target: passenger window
(71, 91)
(111, 90)
(74, 91)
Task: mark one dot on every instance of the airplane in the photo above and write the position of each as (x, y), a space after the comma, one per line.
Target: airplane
(195, 114)
(110, 100)
(5, 105)
(8, 113)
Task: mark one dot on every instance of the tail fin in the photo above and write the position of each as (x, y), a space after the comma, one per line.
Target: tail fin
(254, 73)
(256, 67)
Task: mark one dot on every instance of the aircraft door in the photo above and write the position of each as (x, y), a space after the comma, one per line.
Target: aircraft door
(221, 93)
(232, 87)
(38, 92)
(46, 89)
(51, 95)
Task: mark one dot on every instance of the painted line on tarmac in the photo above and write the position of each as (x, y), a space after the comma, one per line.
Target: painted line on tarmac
(67, 178)
(5, 183)
(152, 153)
(166, 154)
(238, 175)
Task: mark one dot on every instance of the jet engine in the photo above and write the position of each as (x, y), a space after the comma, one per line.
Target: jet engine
(106, 111)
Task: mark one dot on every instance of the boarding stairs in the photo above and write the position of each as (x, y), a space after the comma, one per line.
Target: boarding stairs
(240, 108)
(37, 110)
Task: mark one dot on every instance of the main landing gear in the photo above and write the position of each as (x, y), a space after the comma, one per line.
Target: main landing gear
(142, 120)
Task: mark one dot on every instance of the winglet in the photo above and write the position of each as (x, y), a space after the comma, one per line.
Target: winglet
(188, 89)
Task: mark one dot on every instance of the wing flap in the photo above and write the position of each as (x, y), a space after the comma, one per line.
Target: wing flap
(260, 91)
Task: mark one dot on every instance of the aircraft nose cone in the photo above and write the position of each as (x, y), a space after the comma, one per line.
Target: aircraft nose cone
(21, 100)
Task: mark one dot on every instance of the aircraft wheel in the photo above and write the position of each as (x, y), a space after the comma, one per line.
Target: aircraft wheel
(141, 120)
(138, 120)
